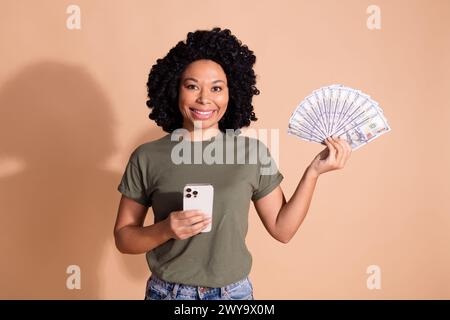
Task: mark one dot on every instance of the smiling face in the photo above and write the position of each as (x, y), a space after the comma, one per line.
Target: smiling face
(203, 95)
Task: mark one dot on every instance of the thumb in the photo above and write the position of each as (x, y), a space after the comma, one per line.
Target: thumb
(323, 154)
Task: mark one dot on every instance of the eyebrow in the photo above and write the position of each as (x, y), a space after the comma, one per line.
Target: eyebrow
(195, 80)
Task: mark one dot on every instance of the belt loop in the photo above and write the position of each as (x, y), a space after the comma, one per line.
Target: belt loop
(222, 292)
(175, 289)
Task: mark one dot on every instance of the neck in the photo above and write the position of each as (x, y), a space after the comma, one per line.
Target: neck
(199, 134)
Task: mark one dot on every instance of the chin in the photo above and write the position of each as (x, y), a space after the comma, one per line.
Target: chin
(206, 124)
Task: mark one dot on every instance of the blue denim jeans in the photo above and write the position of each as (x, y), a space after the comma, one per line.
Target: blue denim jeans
(158, 289)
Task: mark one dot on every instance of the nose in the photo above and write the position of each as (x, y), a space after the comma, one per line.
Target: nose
(203, 97)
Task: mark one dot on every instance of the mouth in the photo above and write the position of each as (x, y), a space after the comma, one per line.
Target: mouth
(202, 114)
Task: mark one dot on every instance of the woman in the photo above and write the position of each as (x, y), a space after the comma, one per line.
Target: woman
(207, 84)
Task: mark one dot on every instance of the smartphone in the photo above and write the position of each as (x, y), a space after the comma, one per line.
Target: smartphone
(199, 196)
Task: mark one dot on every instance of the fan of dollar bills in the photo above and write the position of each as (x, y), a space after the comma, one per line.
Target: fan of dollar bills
(339, 111)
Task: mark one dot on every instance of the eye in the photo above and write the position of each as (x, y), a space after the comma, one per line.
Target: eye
(189, 86)
(220, 89)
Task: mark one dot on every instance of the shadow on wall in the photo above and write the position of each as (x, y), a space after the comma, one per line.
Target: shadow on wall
(59, 209)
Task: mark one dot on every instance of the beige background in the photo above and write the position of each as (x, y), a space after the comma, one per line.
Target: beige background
(72, 105)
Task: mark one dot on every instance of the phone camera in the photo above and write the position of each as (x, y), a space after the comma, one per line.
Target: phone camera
(188, 195)
(188, 190)
(195, 192)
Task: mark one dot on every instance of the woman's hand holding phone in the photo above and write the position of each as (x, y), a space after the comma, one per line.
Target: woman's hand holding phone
(187, 223)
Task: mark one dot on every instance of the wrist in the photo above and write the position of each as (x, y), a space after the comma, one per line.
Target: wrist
(167, 232)
(311, 173)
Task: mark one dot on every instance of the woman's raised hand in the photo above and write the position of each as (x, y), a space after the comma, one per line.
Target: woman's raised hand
(333, 157)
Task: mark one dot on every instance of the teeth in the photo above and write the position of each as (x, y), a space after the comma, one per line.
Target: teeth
(202, 112)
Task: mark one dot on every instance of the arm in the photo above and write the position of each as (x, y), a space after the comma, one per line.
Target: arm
(130, 235)
(133, 238)
(282, 219)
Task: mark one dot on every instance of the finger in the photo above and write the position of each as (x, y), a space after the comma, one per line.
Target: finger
(189, 214)
(340, 150)
(329, 143)
(349, 152)
(196, 228)
(347, 148)
(193, 220)
(189, 228)
(345, 144)
(331, 147)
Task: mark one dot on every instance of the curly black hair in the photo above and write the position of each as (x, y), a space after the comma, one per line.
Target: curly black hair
(220, 46)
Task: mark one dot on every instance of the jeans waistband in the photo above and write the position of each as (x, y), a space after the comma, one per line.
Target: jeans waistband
(156, 279)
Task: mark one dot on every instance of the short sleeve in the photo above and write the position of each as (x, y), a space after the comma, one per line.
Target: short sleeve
(132, 184)
(269, 177)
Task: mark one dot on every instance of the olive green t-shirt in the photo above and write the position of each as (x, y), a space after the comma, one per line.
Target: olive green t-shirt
(155, 176)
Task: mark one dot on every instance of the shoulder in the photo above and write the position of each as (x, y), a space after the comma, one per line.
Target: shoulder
(144, 152)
